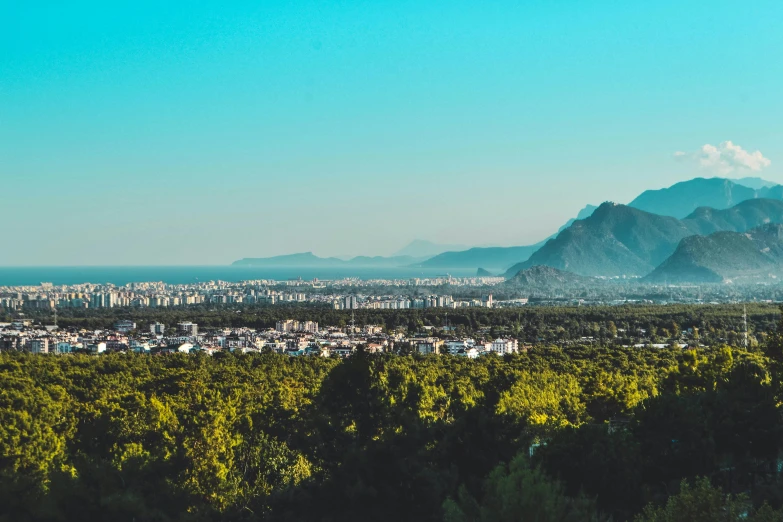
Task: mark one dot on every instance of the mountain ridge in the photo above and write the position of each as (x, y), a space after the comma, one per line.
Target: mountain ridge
(619, 240)
(682, 198)
(308, 259)
(725, 255)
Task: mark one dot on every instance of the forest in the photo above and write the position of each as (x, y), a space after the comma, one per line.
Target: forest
(571, 433)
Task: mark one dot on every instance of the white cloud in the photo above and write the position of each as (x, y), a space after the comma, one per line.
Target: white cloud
(727, 157)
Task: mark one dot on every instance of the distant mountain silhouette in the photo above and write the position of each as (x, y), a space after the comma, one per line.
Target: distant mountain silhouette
(491, 258)
(681, 199)
(308, 259)
(495, 258)
(754, 183)
(583, 214)
(757, 253)
(610, 240)
(425, 249)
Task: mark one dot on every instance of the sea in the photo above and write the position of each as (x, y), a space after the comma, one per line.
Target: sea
(122, 275)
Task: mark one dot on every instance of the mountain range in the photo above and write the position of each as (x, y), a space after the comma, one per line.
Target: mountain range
(495, 258)
(681, 199)
(660, 234)
(308, 259)
(619, 240)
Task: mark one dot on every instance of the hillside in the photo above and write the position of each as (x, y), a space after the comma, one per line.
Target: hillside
(744, 216)
(757, 253)
(615, 240)
(585, 213)
(547, 279)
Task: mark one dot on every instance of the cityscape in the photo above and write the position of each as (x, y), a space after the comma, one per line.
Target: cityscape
(391, 261)
(289, 337)
(340, 295)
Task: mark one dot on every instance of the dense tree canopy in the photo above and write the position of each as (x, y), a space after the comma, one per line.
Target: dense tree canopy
(595, 431)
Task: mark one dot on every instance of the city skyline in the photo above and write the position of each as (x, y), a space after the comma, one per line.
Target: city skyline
(141, 134)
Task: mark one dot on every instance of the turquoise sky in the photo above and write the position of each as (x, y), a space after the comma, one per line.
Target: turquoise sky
(201, 132)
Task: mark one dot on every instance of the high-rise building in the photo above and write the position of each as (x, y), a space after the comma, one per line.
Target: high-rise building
(96, 301)
(308, 326)
(188, 328)
(39, 345)
(124, 326)
(157, 328)
(285, 326)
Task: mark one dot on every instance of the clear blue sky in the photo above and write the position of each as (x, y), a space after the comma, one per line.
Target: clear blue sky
(201, 132)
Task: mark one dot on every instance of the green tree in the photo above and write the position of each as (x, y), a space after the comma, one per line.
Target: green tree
(701, 502)
(518, 493)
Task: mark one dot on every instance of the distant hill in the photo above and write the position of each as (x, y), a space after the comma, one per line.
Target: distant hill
(619, 240)
(308, 259)
(491, 258)
(495, 258)
(757, 253)
(545, 281)
(426, 249)
(683, 198)
(483, 273)
(545, 276)
(754, 183)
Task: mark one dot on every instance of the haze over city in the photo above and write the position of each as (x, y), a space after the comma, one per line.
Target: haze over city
(141, 133)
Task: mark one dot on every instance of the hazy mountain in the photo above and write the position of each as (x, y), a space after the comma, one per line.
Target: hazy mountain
(383, 261)
(681, 199)
(583, 214)
(425, 249)
(491, 258)
(309, 259)
(483, 273)
(495, 258)
(774, 192)
(754, 183)
(744, 216)
(620, 240)
(757, 253)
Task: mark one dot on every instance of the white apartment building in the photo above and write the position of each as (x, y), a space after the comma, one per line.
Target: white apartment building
(505, 346)
(188, 328)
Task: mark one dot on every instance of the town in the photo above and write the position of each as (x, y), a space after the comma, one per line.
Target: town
(340, 295)
(289, 337)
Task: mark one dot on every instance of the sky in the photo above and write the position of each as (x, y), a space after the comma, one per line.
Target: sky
(195, 132)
